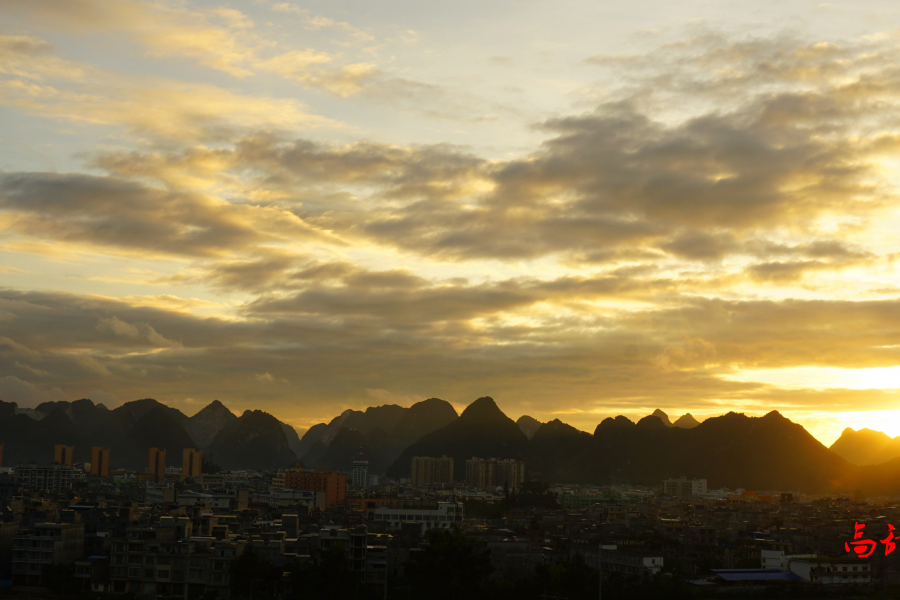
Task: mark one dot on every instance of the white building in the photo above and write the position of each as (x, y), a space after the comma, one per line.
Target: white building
(777, 559)
(684, 487)
(446, 514)
(833, 571)
(359, 477)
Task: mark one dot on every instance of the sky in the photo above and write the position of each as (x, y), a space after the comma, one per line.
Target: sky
(580, 209)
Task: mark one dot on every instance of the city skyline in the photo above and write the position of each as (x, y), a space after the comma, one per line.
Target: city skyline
(580, 211)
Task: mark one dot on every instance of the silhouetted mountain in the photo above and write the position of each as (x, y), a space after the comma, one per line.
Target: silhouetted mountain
(208, 422)
(26, 439)
(481, 431)
(421, 419)
(384, 432)
(8, 409)
(129, 437)
(254, 441)
(312, 437)
(528, 425)
(555, 453)
(733, 451)
(662, 417)
(293, 439)
(86, 415)
(769, 453)
(138, 408)
(866, 447)
(686, 421)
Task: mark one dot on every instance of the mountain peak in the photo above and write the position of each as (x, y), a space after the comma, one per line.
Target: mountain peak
(528, 425)
(483, 408)
(662, 417)
(686, 421)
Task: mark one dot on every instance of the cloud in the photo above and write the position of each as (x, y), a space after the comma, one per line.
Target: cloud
(124, 214)
(141, 332)
(23, 393)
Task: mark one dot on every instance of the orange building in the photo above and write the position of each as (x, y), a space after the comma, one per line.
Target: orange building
(100, 461)
(333, 484)
(64, 455)
(191, 463)
(1, 455)
(156, 462)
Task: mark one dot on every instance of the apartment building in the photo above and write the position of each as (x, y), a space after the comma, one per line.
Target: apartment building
(100, 461)
(54, 479)
(191, 463)
(684, 487)
(45, 544)
(494, 472)
(156, 462)
(64, 455)
(161, 560)
(320, 480)
(443, 517)
(426, 470)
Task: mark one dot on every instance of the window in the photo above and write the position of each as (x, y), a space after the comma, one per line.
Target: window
(134, 572)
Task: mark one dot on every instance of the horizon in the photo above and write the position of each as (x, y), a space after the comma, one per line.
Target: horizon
(582, 210)
(459, 410)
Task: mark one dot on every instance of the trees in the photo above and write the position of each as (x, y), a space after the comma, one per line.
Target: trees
(451, 566)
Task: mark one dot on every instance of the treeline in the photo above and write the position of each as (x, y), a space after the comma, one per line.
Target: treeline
(451, 567)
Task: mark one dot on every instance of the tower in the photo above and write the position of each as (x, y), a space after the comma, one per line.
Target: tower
(156, 462)
(100, 461)
(359, 477)
(191, 463)
(64, 455)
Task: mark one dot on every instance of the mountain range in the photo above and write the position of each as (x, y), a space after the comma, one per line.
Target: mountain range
(733, 450)
(255, 440)
(866, 447)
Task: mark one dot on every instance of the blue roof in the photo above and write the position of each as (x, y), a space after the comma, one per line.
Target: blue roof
(756, 575)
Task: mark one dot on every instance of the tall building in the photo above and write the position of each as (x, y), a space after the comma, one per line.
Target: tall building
(55, 479)
(156, 462)
(494, 472)
(64, 455)
(191, 463)
(332, 483)
(100, 461)
(426, 470)
(359, 476)
(683, 487)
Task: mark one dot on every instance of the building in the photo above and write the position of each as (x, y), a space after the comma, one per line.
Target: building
(1, 455)
(286, 498)
(159, 495)
(833, 571)
(494, 472)
(64, 455)
(191, 463)
(426, 470)
(156, 462)
(157, 561)
(100, 461)
(359, 476)
(332, 483)
(614, 560)
(684, 487)
(443, 517)
(54, 479)
(45, 544)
